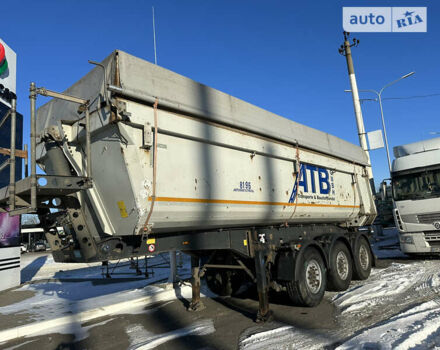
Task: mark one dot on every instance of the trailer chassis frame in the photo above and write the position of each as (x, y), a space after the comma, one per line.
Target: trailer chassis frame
(258, 243)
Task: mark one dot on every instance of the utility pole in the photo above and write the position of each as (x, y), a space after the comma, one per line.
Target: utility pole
(154, 37)
(345, 50)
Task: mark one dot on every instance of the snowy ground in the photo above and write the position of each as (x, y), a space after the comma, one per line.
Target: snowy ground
(398, 307)
(55, 291)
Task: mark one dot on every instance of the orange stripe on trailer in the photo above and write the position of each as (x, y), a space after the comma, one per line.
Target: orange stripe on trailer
(231, 201)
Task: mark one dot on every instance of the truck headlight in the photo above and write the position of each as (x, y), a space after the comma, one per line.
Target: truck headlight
(406, 239)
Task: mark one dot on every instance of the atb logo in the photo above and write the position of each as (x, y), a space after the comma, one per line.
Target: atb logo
(314, 183)
(384, 19)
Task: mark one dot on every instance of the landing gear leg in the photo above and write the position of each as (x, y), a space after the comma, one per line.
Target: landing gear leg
(138, 271)
(146, 267)
(196, 303)
(264, 313)
(107, 273)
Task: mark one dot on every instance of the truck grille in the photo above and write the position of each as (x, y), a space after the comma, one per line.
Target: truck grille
(432, 236)
(428, 218)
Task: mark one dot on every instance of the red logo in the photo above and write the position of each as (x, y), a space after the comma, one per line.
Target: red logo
(3, 60)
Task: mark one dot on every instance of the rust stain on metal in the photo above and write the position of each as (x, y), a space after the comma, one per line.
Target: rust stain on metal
(18, 152)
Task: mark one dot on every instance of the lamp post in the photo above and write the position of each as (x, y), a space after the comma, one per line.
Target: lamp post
(379, 95)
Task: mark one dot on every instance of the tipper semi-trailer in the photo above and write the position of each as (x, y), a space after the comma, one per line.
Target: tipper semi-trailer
(140, 160)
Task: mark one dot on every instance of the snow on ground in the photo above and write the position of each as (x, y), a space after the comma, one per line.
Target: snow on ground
(141, 339)
(283, 337)
(384, 285)
(71, 289)
(398, 307)
(66, 290)
(416, 328)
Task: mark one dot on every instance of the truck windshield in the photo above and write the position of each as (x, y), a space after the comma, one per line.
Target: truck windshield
(421, 185)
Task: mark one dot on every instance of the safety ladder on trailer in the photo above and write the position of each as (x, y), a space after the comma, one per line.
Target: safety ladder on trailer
(21, 196)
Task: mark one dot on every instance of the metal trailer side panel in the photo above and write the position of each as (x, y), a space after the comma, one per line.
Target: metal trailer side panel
(217, 106)
(182, 94)
(212, 176)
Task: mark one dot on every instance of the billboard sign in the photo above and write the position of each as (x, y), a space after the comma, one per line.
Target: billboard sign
(8, 73)
(9, 230)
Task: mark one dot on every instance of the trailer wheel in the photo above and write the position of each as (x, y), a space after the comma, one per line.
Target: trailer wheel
(362, 260)
(309, 287)
(341, 268)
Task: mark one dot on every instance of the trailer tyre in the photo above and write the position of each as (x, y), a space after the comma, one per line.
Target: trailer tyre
(309, 287)
(341, 268)
(362, 260)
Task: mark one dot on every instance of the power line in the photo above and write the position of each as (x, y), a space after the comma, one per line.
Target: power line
(410, 97)
(399, 98)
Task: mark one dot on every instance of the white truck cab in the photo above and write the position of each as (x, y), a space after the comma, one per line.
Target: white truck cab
(416, 192)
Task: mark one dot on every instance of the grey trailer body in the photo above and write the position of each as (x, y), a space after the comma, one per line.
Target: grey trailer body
(174, 164)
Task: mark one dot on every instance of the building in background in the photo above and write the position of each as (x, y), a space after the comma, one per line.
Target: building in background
(9, 226)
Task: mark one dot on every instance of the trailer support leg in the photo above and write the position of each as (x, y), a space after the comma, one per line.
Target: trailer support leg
(105, 265)
(264, 313)
(146, 267)
(196, 303)
(138, 270)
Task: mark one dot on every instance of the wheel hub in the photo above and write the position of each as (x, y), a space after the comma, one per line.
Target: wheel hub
(342, 265)
(363, 257)
(313, 276)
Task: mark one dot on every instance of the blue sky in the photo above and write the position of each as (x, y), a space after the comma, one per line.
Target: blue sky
(279, 55)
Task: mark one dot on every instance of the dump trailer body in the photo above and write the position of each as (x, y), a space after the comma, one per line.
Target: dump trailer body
(221, 162)
(141, 160)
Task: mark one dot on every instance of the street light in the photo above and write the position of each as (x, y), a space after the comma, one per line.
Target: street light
(379, 95)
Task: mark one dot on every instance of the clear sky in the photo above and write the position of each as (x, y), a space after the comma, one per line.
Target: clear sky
(279, 55)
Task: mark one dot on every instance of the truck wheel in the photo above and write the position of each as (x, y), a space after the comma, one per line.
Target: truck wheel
(341, 268)
(362, 260)
(308, 288)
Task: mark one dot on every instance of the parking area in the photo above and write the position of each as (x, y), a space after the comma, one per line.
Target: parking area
(73, 306)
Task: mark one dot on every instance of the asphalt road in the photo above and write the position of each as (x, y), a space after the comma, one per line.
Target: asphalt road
(232, 318)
